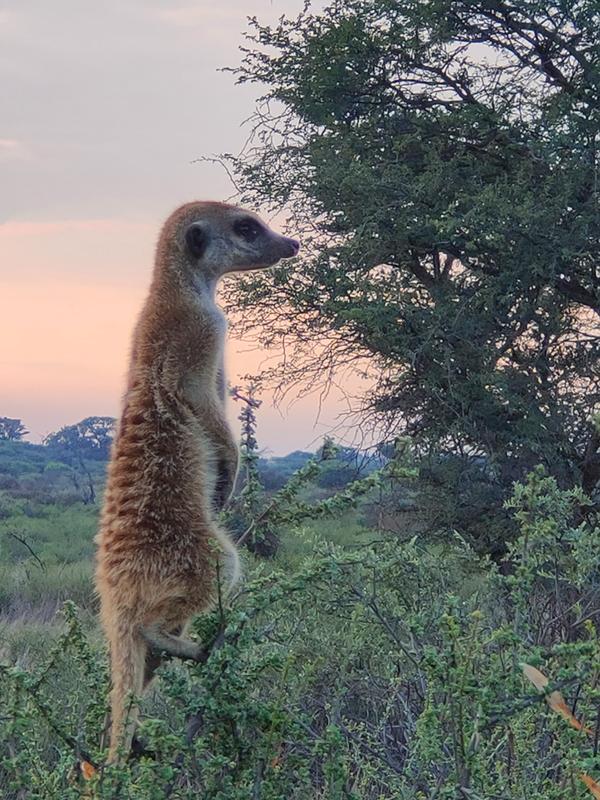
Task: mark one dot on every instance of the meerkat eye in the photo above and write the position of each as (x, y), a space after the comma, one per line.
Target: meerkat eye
(248, 228)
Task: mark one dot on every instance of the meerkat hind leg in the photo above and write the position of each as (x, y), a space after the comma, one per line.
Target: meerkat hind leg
(162, 642)
(154, 658)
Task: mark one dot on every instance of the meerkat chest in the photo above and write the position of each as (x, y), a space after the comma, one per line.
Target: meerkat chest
(215, 330)
(210, 313)
(206, 353)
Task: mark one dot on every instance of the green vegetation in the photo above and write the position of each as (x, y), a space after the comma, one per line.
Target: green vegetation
(353, 663)
(369, 669)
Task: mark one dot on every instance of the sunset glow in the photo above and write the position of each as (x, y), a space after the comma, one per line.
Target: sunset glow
(88, 183)
(69, 303)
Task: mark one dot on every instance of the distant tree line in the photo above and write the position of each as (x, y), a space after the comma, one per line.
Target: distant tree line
(90, 438)
(12, 430)
(72, 447)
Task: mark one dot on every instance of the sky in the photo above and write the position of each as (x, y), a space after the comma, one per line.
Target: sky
(105, 107)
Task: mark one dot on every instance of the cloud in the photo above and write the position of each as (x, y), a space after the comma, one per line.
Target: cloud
(7, 19)
(186, 16)
(12, 148)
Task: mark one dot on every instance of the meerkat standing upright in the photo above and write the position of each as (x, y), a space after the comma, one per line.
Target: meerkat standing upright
(174, 458)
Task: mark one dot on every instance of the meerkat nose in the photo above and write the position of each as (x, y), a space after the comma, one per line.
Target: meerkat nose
(294, 247)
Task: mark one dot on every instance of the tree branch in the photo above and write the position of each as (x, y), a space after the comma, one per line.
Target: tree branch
(578, 293)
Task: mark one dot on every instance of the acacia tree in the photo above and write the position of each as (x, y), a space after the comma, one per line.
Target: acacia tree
(11, 430)
(439, 160)
(91, 438)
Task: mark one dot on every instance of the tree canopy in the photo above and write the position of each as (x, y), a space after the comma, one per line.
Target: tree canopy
(439, 160)
(91, 438)
(11, 430)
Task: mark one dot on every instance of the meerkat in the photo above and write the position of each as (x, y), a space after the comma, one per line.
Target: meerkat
(174, 459)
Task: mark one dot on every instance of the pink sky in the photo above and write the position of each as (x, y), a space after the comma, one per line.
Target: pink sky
(65, 332)
(105, 108)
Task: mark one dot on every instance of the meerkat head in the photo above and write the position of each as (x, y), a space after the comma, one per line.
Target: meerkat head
(216, 238)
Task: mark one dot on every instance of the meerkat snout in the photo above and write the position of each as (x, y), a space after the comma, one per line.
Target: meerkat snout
(290, 247)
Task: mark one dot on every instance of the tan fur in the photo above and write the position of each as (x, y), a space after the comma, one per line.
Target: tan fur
(159, 545)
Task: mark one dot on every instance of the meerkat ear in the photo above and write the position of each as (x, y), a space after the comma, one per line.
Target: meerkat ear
(196, 239)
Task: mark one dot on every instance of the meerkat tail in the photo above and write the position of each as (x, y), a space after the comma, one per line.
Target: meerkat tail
(128, 657)
(229, 561)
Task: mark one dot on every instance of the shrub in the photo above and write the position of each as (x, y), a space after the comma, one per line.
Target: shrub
(375, 670)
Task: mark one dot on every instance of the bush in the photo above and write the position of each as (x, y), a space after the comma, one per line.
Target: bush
(378, 670)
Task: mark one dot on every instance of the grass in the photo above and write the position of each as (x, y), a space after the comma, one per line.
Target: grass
(33, 588)
(56, 535)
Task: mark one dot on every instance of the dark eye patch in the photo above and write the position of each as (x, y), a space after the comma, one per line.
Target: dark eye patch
(248, 228)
